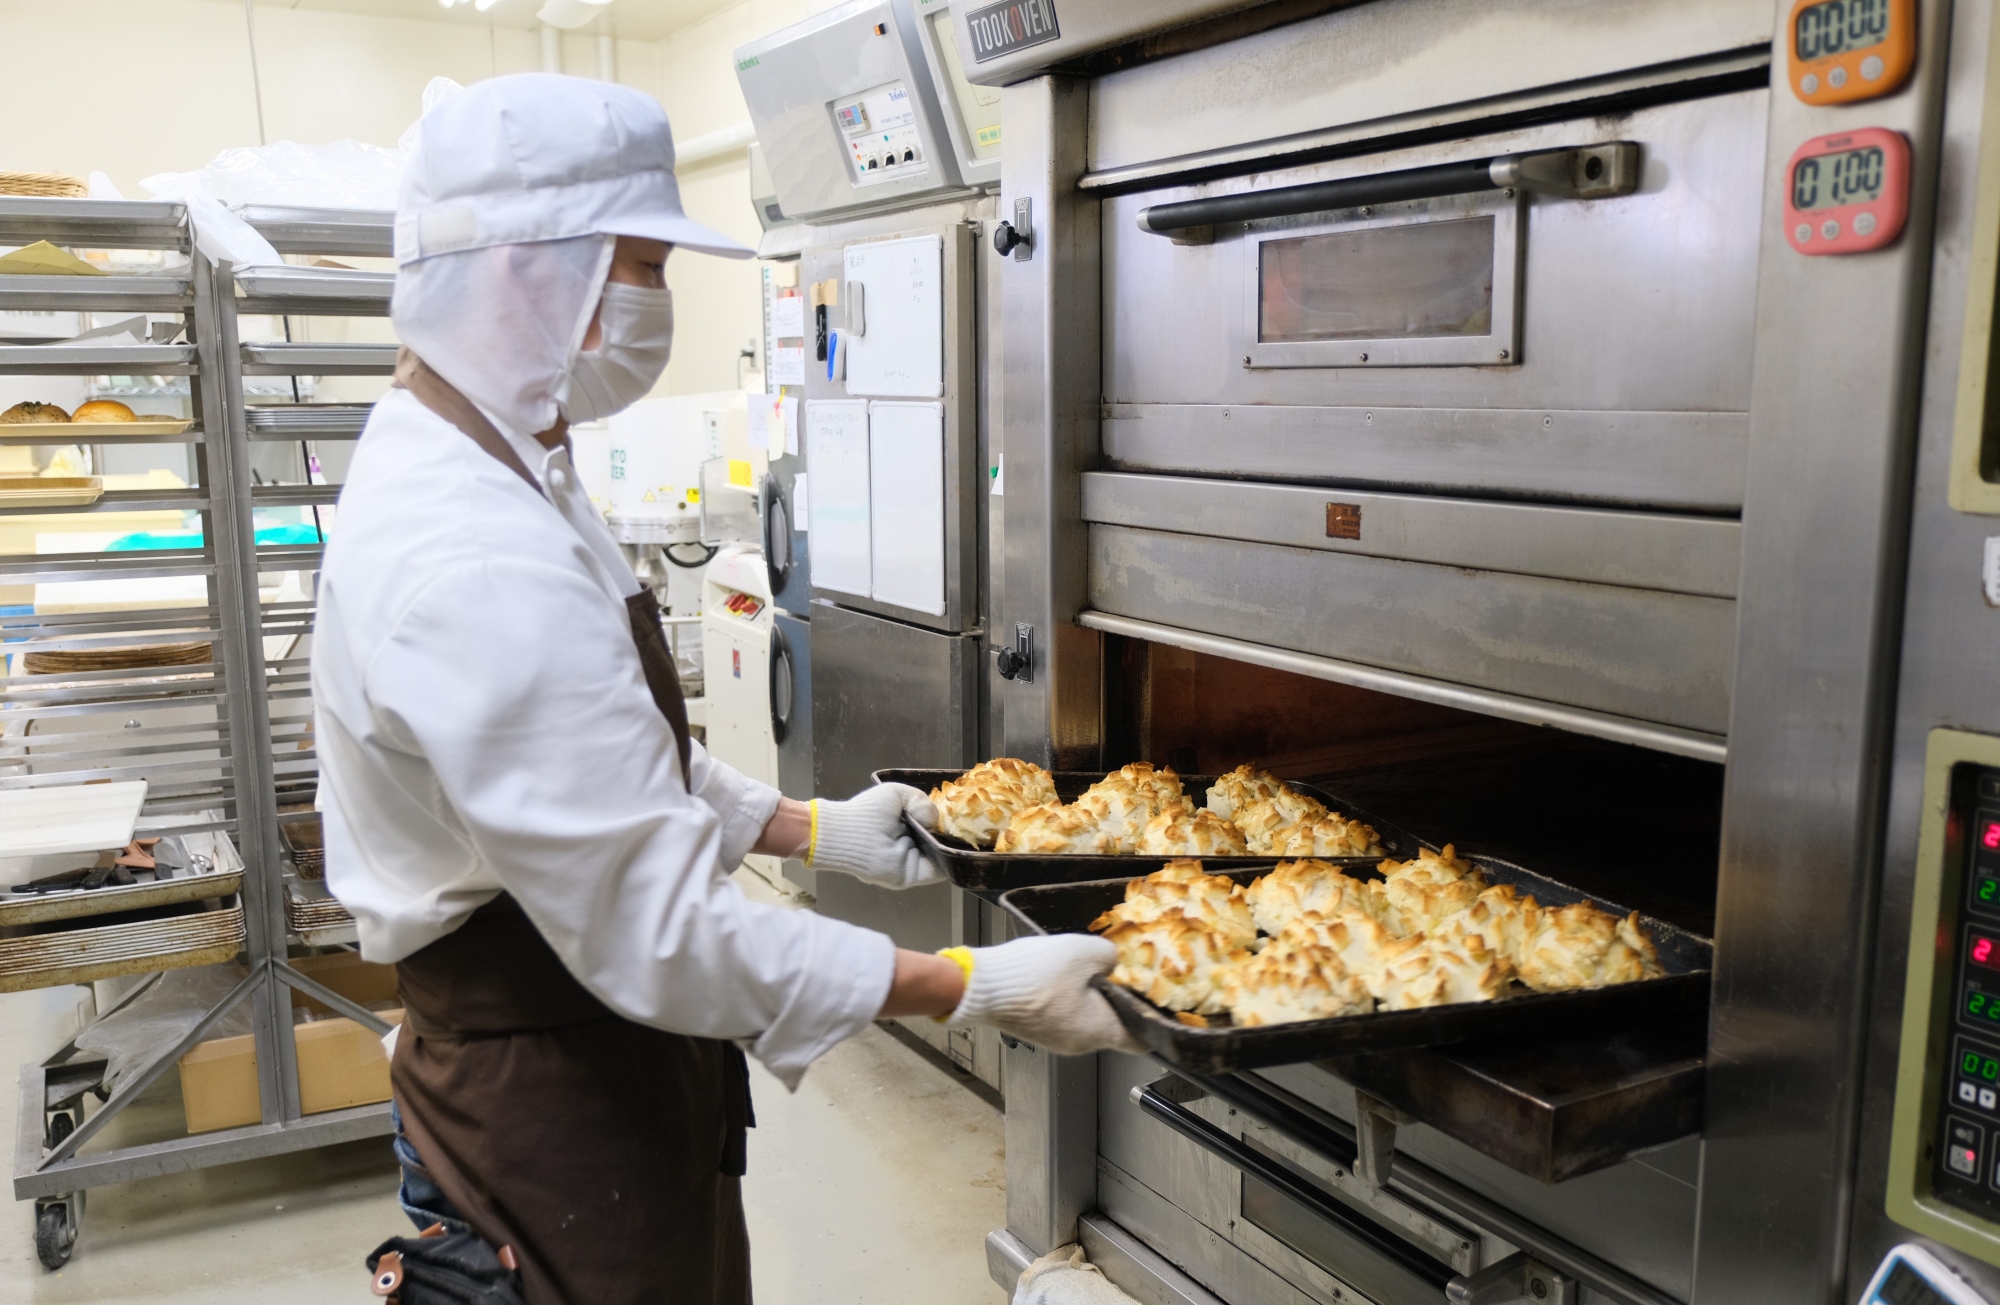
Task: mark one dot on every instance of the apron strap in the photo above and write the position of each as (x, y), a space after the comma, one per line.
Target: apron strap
(443, 398)
(655, 658)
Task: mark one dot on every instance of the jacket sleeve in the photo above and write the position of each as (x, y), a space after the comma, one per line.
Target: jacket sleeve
(520, 687)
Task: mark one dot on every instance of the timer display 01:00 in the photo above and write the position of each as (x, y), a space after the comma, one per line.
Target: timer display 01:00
(1850, 177)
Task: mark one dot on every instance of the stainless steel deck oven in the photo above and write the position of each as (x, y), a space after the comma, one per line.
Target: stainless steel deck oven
(1554, 385)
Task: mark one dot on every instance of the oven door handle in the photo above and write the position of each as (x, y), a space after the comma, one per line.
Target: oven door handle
(1578, 172)
(1232, 1151)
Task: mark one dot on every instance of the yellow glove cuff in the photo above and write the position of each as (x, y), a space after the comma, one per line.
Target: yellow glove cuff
(962, 957)
(812, 839)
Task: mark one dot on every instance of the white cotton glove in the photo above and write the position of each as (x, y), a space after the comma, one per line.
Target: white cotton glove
(1038, 989)
(864, 837)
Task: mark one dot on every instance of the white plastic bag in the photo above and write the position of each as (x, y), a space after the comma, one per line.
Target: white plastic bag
(1064, 1277)
(134, 1037)
(340, 174)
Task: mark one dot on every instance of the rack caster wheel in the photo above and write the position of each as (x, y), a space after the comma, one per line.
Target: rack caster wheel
(58, 1219)
(60, 1125)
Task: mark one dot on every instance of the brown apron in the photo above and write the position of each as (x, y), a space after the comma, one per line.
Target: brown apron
(608, 1154)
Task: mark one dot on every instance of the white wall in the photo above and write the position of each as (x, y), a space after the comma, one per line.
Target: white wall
(169, 85)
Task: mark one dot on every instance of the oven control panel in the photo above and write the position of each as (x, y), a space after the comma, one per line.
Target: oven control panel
(1966, 1164)
(880, 131)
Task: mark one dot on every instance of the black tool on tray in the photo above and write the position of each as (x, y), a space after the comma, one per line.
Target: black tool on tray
(1220, 1048)
(994, 872)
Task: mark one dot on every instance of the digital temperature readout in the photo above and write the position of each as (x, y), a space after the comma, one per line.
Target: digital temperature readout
(1984, 951)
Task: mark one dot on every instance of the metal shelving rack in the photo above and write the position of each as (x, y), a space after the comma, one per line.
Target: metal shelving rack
(217, 753)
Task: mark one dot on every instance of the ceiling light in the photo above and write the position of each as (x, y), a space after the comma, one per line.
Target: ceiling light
(571, 13)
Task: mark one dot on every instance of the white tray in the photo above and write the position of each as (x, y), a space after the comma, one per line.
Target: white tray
(69, 817)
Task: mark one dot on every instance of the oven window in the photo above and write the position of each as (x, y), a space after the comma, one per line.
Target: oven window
(1411, 281)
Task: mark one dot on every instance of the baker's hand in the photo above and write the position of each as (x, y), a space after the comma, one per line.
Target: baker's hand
(1038, 989)
(864, 836)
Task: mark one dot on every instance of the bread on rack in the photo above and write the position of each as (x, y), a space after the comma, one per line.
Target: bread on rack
(1182, 830)
(1240, 788)
(1579, 946)
(30, 413)
(1430, 888)
(104, 410)
(1502, 917)
(1292, 979)
(1295, 888)
(1052, 829)
(978, 805)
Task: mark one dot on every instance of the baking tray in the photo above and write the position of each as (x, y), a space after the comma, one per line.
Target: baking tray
(996, 872)
(49, 491)
(1683, 990)
(98, 432)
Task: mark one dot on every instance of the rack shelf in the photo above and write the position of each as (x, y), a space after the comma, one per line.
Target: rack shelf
(308, 421)
(99, 359)
(97, 294)
(113, 223)
(276, 359)
(309, 290)
(357, 233)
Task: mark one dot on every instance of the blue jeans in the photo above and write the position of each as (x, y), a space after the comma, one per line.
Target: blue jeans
(421, 1198)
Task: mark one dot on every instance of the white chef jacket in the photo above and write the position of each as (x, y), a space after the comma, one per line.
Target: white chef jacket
(483, 724)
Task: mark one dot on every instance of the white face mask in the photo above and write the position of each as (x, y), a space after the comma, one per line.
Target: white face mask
(638, 329)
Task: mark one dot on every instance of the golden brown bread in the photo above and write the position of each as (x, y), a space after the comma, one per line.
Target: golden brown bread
(1052, 829)
(1297, 887)
(978, 805)
(1180, 888)
(1173, 962)
(28, 412)
(104, 410)
(1181, 830)
(1292, 979)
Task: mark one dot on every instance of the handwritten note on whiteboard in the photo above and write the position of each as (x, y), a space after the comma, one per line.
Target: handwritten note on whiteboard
(899, 352)
(837, 452)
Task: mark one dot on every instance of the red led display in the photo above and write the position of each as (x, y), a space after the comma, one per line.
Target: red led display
(1989, 836)
(1985, 951)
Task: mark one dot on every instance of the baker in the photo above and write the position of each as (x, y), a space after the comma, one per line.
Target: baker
(515, 813)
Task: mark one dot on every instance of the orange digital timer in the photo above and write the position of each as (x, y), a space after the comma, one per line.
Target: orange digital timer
(1851, 49)
(1847, 193)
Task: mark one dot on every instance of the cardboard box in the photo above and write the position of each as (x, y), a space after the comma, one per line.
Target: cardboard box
(341, 1062)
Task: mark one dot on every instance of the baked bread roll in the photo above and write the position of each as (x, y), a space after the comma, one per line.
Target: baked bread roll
(1174, 962)
(1181, 889)
(28, 412)
(978, 805)
(1365, 946)
(1241, 787)
(1296, 888)
(104, 410)
(1052, 829)
(1580, 946)
(1422, 971)
(1181, 830)
(1292, 979)
(1502, 917)
(1331, 835)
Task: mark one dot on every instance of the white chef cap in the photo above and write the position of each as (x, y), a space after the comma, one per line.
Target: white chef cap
(509, 208)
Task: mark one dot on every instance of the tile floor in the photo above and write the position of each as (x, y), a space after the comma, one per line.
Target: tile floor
(876, 1182)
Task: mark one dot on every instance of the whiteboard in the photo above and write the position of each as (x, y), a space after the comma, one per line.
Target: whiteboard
(906, 490)
(899, 352)
(837, 452)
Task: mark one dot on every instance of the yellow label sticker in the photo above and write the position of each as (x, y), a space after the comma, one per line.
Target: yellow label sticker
(989, 135)
(694, 495)
(649, 498)
(739, 474)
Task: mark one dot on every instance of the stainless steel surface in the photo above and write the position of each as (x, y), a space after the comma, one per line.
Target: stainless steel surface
(1051, 1144)
(1947, 675)
(1637, 320)
(96, 294)
(292, 230)
(1006, 1259)
(1379, 60)
(96, 359)
(280, 290)
(888, 694)
(324, 421)
(273, 359)
(1222, 1267)
(1134, 1268)
(1079, 28)
(1517, 1280)
(1823, 560)
(795, 750)
(1643, 654)
(1050, 399)
(1641, 550)
(120, 224)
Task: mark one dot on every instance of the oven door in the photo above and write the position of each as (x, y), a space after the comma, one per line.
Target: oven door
(1490, 446)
